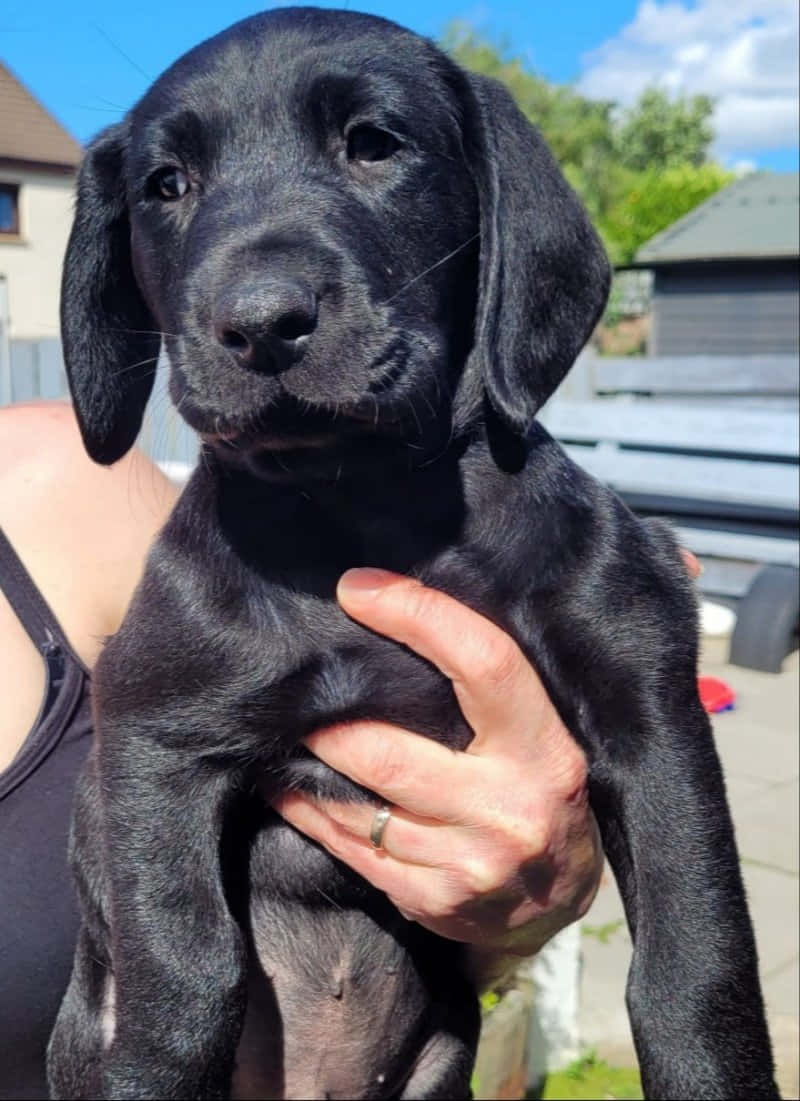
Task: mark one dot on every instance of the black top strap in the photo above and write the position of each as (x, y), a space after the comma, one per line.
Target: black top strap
(28, 603)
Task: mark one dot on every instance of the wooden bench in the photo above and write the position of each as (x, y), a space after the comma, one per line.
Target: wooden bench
(712, 444)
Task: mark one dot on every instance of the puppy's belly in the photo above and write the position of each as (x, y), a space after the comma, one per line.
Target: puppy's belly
(337, 1007)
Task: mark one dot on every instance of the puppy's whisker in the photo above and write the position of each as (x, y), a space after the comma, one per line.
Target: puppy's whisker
(133, 366)
(328, 898)
(410, 404)
(134, 64)
(438, 264)
(426, 399)
(161, 420)
(147, 332)
(110, 104)
(100, 110)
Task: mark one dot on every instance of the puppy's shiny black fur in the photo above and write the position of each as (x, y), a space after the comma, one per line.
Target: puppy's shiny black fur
(369, 274)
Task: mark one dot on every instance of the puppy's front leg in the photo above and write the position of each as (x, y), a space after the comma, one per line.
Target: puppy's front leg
(693, 994)
(620, 662)
(178, 956)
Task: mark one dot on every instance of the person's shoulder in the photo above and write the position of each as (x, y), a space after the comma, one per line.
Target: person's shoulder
(82, 530)
(31, 433)
(43, 465)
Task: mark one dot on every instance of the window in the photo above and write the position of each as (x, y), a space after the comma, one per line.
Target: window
(9, 209)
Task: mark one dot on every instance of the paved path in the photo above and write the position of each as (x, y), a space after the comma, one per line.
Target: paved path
(758, 745)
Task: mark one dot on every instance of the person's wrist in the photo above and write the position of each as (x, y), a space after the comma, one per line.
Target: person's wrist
(491, 961)
(493, 957)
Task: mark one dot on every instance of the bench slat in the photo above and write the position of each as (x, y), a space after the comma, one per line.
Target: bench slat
(731, 544)
(764, 484)
(709, 375)
(745, 431)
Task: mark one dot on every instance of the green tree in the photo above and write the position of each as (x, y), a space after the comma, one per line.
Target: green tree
(663, 132)
(577, 129)
(650, 200)
(637, 171)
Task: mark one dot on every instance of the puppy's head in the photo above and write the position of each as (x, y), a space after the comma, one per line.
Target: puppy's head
(340, 236)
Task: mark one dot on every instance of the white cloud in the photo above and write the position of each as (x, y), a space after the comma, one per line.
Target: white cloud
(744, 53)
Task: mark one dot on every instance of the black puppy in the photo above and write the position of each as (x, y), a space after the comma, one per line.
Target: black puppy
(369, 274)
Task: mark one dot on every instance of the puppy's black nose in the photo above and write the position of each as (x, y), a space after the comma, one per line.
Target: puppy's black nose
(266, 326)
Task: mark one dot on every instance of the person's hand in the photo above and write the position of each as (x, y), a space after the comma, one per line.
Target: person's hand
(495, 846)
(692, 563)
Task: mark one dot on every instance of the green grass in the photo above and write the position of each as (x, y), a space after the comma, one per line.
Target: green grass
(592, 1079)
(603, 933)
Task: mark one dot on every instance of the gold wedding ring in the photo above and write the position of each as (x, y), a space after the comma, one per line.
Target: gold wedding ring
(376, 833)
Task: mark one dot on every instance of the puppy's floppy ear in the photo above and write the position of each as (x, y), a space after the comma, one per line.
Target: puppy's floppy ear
(544, 275)
(110, 351)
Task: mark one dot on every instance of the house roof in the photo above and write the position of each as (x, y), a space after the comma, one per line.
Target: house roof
(756, 217)
(28, 132)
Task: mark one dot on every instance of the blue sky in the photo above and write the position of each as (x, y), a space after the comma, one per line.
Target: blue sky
(88, 60)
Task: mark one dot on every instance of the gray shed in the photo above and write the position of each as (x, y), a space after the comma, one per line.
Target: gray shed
(726, 274)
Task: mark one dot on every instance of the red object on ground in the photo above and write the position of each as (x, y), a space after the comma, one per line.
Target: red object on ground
(716, 695)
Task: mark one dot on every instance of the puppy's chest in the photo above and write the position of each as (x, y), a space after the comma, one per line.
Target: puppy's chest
(252, 653)
(326, 669)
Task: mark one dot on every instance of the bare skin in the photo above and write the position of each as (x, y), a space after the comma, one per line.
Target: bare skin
(82, 531)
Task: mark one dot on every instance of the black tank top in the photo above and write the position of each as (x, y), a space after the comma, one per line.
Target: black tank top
(38, 912)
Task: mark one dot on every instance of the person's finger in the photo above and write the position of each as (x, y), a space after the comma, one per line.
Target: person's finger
(402, 768)
(692, 562)
(407, 837)
(498, 691)
(408, 886)
(465, 900)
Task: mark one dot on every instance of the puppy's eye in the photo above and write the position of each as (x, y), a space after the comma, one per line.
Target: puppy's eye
(368, 143)
(169, 184)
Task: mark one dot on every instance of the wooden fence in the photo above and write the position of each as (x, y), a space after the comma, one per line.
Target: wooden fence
(34, 369)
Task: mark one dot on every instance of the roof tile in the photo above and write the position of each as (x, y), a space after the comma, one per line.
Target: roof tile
(755, 216)
(28, 132)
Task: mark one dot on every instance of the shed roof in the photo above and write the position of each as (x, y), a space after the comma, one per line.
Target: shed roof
(28, 132)
(756, 217)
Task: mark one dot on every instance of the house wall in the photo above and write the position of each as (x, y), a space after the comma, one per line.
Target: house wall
(726, 309)
(31, 263)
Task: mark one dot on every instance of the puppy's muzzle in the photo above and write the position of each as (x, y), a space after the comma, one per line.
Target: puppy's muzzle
(266, 326)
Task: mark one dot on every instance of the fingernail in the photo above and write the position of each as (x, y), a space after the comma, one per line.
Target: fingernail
(364, 581)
